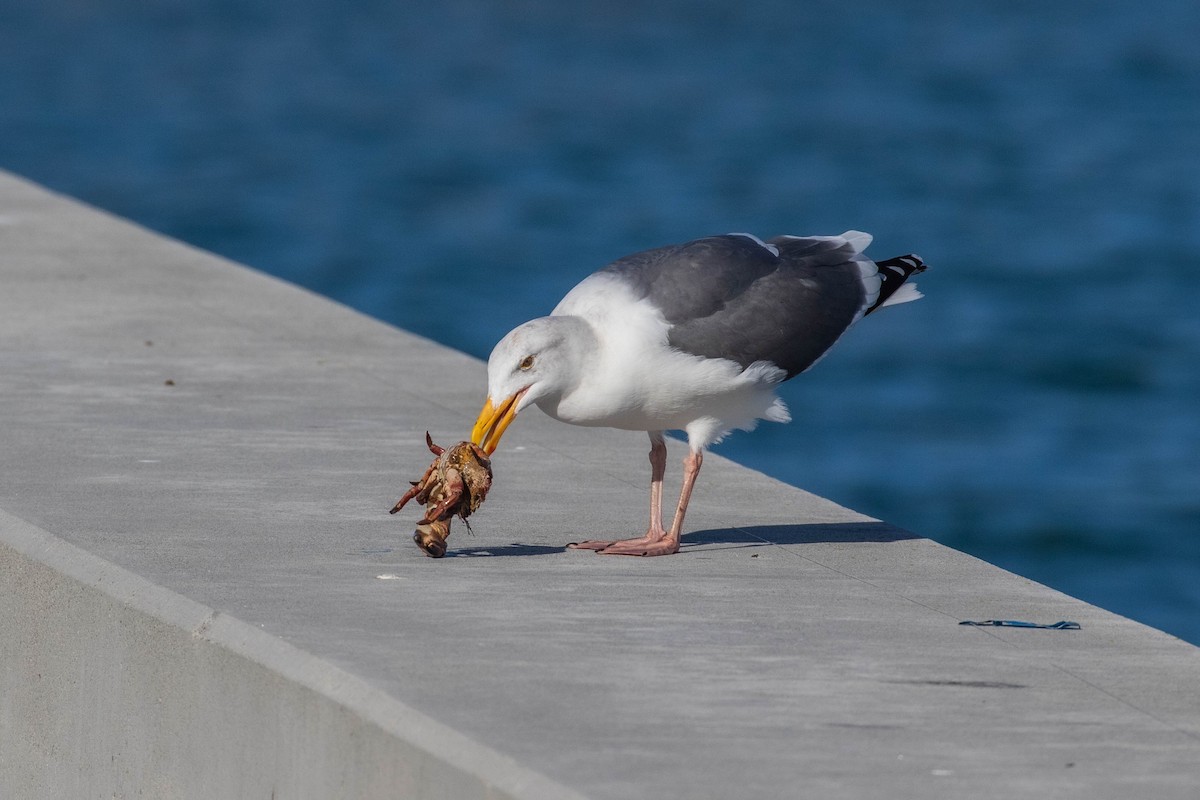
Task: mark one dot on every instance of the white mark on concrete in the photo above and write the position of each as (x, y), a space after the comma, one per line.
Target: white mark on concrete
(389, 576)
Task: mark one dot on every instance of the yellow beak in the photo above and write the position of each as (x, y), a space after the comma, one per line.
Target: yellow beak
(494, 421)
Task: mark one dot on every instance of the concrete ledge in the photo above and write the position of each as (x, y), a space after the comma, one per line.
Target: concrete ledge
(116, 687)
(202, 595)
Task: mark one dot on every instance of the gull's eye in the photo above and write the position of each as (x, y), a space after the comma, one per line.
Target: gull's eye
(526, 364)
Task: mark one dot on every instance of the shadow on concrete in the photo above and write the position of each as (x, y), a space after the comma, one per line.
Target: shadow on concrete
(812, 533)
(511, 549)
(750, 536)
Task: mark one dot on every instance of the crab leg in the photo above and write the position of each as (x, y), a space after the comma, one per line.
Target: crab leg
(452, 491)
(418, 487)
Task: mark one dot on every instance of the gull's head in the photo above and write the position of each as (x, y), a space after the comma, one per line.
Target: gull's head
(537, 361)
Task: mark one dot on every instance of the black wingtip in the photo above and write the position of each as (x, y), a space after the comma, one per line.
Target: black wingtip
(894, 272)
(906, 264)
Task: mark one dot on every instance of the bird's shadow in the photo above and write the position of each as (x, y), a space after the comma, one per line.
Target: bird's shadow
(734, 537)
(802, 533)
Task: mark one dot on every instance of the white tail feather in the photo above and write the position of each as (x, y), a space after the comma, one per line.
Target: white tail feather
(905, 294)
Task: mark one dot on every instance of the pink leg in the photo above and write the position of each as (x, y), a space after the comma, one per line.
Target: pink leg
(655, 532)
(668, 543)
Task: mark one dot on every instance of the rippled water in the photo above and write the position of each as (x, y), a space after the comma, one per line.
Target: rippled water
(1038, 408)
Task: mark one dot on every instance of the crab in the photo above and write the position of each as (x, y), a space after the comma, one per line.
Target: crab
(455, 485)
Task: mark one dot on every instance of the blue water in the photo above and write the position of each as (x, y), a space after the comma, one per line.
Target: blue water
(1039, 408)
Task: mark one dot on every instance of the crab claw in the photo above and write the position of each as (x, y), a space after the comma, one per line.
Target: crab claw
(433, 448)
(431, 537)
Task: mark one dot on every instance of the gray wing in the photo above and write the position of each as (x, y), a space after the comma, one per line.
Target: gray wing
(734, 297)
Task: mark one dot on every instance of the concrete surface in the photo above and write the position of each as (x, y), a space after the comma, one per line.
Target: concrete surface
(202, 595)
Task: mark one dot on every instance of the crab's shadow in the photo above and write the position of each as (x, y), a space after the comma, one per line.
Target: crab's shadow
(512, 549)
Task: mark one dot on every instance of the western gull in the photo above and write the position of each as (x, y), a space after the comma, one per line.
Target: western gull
(692, 337)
